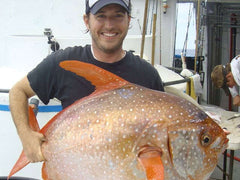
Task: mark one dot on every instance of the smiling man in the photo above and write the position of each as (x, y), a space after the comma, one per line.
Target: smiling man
(108, 23)
(108, 28)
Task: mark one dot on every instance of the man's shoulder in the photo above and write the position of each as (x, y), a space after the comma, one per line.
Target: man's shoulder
(144, 65)
(74, 50)
(69, 53)
(139, 61)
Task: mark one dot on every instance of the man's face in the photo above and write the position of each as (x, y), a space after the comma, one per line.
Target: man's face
(108, 28)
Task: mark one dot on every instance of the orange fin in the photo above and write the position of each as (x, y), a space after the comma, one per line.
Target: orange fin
(100, 78)
(33, 123)
(22, 160)
(21, 163)
(151, 161)
(44, 174)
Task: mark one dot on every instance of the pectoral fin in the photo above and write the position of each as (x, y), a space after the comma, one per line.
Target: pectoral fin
(150, 158)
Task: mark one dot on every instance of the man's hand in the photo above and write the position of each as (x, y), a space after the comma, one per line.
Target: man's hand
(236, 100)
(32, 141)
(230, 80)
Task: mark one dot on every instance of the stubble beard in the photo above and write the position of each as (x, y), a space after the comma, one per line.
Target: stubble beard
(107, 48)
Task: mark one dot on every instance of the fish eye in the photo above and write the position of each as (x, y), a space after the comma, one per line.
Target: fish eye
(205, 140)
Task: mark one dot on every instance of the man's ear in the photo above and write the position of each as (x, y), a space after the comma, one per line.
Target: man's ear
(86, 20)
(129, 20)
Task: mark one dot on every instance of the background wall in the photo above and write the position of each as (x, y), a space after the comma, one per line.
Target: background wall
(23, 45)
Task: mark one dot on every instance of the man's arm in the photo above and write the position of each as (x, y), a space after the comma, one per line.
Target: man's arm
(18, 101)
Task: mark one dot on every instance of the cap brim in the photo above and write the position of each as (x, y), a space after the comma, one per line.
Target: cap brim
(100, 4)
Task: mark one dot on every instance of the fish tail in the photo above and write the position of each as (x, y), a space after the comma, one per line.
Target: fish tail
(23, 160)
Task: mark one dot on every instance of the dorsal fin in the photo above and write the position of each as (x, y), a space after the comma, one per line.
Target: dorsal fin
(100, 78)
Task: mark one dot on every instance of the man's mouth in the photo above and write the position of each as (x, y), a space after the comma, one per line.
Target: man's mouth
(109, 34)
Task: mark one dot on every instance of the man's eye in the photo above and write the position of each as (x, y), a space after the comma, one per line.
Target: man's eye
(119, 15)
(100, 16)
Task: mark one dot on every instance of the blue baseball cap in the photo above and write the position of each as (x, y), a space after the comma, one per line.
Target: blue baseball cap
(94, 6)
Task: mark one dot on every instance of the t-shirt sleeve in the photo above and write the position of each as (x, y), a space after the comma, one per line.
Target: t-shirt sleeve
(158, 84)
(41, 78)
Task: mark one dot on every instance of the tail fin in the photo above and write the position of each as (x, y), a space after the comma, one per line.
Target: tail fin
(22, 160)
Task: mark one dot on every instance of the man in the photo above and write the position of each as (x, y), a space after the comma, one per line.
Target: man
(108, 23)
(227, 77)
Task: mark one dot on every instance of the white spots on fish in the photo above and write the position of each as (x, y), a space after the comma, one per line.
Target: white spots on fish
(160, 119)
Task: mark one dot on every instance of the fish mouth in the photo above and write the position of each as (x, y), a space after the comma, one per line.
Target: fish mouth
(220, 144)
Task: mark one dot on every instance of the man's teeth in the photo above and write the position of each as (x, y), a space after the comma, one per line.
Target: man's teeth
(109, 35)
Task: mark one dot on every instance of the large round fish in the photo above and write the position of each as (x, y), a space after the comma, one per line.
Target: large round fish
(128, 132)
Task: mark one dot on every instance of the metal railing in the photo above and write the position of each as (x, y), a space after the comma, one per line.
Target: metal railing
(4, 90)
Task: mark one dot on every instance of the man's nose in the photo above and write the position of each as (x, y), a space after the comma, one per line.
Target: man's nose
(109, 23)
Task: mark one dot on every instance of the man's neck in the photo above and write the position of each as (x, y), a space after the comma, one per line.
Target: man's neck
(108, 57)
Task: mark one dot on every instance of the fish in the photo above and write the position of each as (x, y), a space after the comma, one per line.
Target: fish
(126, 131)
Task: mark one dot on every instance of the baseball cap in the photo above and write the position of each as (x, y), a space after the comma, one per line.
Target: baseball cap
(94, 6)
(218, 76)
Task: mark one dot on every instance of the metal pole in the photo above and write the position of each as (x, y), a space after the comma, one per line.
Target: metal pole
(196, 46)
(144, 28)
(4, 90)
(154, 38)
